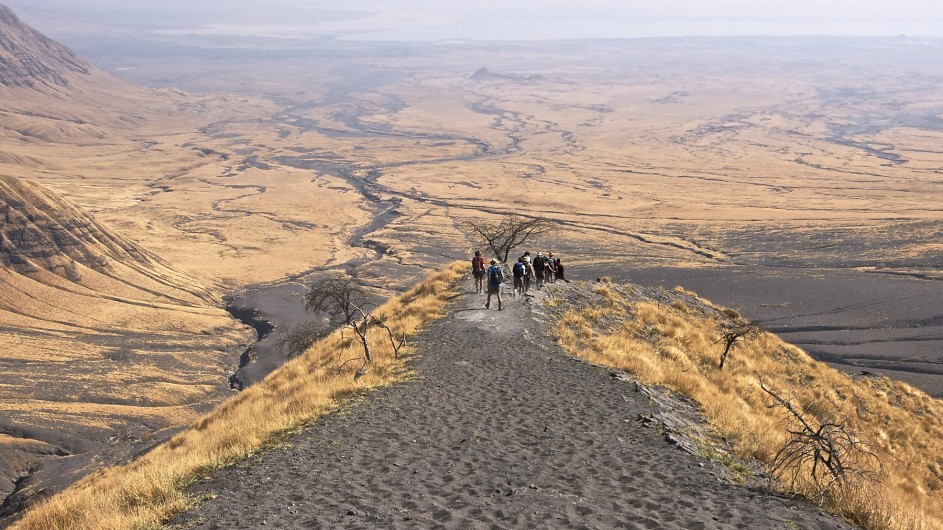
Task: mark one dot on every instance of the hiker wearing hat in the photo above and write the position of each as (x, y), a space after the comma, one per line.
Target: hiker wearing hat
(551, 269)
(495, 277)
(528, 270)
(539, 269)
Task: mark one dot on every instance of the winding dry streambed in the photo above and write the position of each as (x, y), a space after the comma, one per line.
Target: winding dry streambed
(806, 305)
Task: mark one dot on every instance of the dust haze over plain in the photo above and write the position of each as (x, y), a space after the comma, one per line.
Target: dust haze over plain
(431, 20)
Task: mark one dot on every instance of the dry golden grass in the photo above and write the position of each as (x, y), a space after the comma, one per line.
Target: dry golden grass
(235, 190)
(150, 489)
(673, 345)
(102, 339)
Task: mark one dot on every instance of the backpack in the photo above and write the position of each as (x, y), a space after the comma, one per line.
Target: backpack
(518, 269)
(495, 274)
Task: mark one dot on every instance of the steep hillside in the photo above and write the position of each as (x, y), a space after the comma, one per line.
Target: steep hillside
(862, 446)
(148, 490)
(106, 348)
(49, 93)
(30, 59)
(47, 239)
(179, 172)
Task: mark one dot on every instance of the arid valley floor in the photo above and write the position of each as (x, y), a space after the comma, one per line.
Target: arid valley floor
(797, 180)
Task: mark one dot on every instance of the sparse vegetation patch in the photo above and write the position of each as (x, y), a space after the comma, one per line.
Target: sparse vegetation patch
(150, 489)
(866, 448)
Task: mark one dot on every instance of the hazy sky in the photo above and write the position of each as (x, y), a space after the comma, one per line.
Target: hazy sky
(494, 19)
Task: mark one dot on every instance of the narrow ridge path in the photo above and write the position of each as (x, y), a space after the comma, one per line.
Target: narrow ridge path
(499, 429)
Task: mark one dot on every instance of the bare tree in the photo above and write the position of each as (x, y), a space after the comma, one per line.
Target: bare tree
(832, 455)
(507, 233)
(733, 330)
(295, 341)
(346, 303)
(393, 342)
(340, 297)
(344, 298)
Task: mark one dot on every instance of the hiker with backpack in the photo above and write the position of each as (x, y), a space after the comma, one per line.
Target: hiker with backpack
(478, 271)
(519, 270)
(539, 270)
(528, 270)
(495, 278)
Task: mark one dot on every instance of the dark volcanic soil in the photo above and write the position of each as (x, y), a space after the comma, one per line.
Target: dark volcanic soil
(265, 309)
(856, 321)
(499, 429)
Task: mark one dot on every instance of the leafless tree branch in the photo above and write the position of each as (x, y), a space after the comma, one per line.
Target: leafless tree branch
(733, 330)
(827, 453)
(503, 235)
(295, 341)
(344, 297)
(396, 345)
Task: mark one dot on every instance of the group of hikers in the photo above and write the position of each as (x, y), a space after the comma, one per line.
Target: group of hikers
(526, 272)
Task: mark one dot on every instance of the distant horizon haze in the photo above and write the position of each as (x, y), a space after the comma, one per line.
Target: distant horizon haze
(428, 20)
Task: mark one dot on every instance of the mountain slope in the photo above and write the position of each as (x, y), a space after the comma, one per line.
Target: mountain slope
(44, 234)
(49, 94)
(107, 348)
(30, 59)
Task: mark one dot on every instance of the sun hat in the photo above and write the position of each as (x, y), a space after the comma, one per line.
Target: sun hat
(493, 261)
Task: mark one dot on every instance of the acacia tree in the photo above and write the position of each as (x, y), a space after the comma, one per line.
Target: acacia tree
(503, 235)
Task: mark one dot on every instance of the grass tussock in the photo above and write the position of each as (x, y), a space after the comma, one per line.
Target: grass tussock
(150, 489)
(675, 345)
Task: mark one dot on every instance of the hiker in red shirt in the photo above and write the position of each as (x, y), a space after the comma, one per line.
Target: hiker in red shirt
(478, 271)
